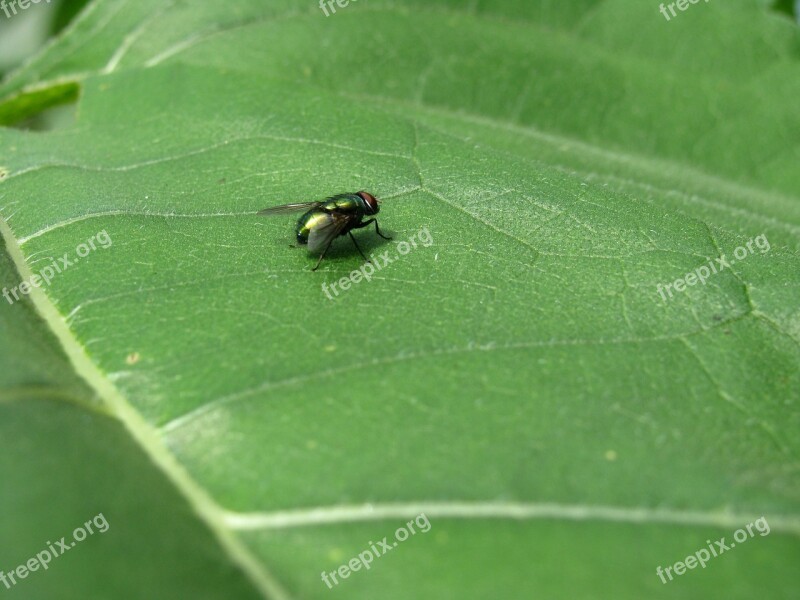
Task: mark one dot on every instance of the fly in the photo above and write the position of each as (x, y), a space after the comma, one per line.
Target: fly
(325, 220)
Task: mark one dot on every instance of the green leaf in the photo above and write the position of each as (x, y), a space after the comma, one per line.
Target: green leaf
(64, 461)
(520, 380)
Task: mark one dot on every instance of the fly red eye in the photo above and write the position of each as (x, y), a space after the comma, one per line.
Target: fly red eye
(371, 201)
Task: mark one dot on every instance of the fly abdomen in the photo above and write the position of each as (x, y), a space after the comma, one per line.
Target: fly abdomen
(309, 221)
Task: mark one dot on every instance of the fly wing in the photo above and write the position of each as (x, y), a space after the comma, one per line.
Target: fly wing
(289, 208)
(324, 233)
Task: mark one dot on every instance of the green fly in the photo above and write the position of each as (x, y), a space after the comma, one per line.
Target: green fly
(323, 221)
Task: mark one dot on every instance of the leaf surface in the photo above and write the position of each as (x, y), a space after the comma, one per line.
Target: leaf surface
(520, 379)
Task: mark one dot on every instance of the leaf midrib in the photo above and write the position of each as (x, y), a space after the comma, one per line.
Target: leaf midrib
(143, 433)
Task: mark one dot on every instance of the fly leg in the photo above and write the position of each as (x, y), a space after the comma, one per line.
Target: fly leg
(357, 248)
(324, 252)
(377, 229)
